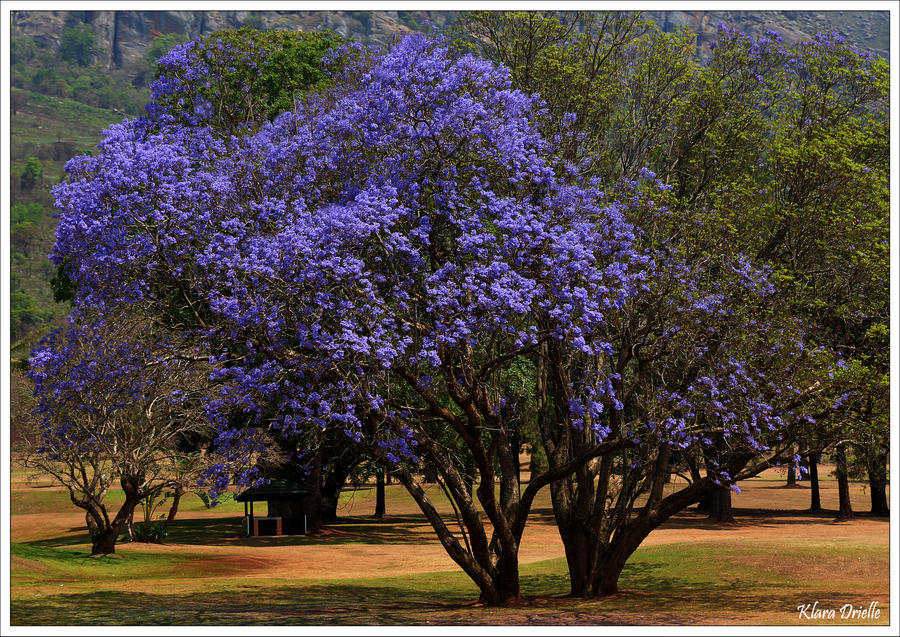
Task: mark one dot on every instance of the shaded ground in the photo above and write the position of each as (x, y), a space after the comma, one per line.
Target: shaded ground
(393, 571)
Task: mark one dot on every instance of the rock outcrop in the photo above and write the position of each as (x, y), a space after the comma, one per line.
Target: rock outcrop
(124, 36)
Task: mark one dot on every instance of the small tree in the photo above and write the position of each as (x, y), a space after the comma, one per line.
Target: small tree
(116, 395)
(17, 99)
(32, 173)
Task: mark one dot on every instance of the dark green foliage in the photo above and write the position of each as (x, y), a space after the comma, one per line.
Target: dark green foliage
(61, 284)
(149, 532)
(77, 44)
(23, 313)
(294, 66)
(26, 213)
(250, 76)
(21, 50)
(32, 173)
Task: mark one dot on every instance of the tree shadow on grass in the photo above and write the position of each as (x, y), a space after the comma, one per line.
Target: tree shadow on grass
(227, 531)
(74, 535)
(693, 519)
(219, 531)
(334, 603)
(361, 604)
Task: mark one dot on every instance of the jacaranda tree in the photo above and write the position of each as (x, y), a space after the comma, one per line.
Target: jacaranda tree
(391, 258)
(373, 261)
(119, 402)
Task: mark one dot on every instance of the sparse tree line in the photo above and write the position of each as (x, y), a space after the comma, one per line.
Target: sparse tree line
(547, 229)
(71, 71)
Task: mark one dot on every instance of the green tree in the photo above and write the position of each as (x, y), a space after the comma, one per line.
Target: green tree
(32, 173)
(26, 212)
(24, 314)
(244, 77)
(17, 99)
(77, 44)
(22, 49)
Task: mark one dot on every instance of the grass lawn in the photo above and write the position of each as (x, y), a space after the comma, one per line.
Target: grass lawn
(394, 572)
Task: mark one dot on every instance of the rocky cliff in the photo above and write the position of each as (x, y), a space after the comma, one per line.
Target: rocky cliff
(124, 36)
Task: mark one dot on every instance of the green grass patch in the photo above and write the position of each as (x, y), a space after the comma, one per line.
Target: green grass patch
(40, 565)
(45, 120)
(63, 110)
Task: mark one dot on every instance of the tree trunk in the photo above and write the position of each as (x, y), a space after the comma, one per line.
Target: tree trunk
(705, 502)
(93, 527)
(173, 510)
(792, 475)
(577, 544)
(845, 510)
(505, 583)
(331, 491)
(379, 493)
(498, 582)
(720, 509)
(611, 566)
(815, 502)
(104, 541)
(877, 469)
(312, 502)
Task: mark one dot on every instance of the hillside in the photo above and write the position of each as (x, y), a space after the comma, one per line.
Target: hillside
(124, 36)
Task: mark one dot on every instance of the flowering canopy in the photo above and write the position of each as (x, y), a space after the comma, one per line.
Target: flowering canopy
(380, 258)
(414, 212)
(117, 402)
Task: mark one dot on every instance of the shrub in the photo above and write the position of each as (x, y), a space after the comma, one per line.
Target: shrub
(149, 532)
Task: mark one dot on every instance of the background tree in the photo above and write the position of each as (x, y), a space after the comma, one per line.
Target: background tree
(115, 398)
(77, 44)
(234, 79)
(32, 173)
